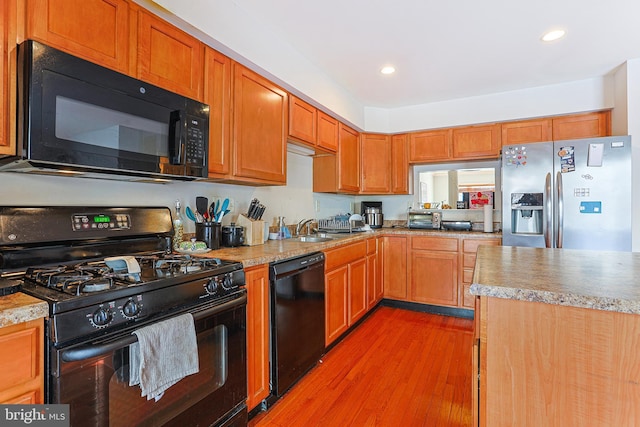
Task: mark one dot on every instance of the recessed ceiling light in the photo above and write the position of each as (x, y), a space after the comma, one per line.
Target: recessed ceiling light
(388, 69)
(553, 35)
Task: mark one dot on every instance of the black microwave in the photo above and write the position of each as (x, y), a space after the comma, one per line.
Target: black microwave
(74, 115)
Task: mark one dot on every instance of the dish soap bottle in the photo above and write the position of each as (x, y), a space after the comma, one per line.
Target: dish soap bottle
(178, 226)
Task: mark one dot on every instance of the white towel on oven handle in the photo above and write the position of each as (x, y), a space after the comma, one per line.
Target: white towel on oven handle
(165, 353)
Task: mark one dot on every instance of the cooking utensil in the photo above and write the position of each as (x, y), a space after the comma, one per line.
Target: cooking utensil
(202, 203)
(190, 214)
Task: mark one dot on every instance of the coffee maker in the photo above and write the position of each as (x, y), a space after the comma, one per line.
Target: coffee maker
(372, 213)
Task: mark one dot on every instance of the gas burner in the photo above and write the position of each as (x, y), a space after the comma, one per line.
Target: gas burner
(80, 278)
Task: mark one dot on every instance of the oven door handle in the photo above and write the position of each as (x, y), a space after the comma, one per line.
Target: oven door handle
(88, 351)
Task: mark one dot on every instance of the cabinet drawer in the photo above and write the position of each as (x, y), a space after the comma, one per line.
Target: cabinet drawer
(342, 255)
(467, 275)
(471, 245)
(434, 243)
(468, 300)
(468, 260)
(371, 246)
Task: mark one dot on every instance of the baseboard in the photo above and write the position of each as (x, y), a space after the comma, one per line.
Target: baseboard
(428, 308)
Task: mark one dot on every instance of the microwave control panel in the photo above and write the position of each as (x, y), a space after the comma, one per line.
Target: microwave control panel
(195, 150)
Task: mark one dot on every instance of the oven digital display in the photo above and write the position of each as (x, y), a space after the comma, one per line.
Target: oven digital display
(98, 221)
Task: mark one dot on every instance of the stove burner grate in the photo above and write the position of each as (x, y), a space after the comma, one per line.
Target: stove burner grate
(79, 279)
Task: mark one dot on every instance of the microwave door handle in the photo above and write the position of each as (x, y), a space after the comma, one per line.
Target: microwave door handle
(547, 213)
(175, 138)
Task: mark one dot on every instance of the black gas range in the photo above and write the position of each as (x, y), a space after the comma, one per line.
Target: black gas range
(107, 271)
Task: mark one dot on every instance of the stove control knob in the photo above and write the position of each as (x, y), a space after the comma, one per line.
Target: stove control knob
(130, 309)
(102, 317)
(212, 286)
(227, 282)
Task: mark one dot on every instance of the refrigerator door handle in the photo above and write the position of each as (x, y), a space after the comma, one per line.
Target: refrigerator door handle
(560, 210)
(548, 212)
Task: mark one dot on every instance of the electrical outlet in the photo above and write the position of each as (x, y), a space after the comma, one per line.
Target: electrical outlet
(232, 205)
(317, 205)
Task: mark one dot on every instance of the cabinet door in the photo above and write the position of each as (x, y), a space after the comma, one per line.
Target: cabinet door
(22, 359)
(302, 121)
(379, 288)
(372, 274)
(7, 80)
(357, 290)
(257, 285)
(477, 142)
(526, 131)
(434, 277)
(469, 249)
(375, 160)
(394, 269)
(169, 57)
(589, 125)
(328, 130)
(217, 94)
(430, 146)
(96, 30)
(348, 160)
(259, 128)
(336, 299)
(399, 164)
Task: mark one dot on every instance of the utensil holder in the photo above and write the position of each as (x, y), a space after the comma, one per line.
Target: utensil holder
(253, 230)
(209, 233)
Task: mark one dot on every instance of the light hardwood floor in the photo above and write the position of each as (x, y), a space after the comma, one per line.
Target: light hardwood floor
(398, 368)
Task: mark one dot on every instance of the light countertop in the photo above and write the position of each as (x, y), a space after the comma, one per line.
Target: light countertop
(589, 279)
(19, 308)
(276, 250)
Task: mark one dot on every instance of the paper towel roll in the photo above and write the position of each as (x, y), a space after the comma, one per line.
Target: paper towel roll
(488, 219)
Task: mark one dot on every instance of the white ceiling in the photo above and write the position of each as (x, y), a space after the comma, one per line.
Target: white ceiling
(451, 49)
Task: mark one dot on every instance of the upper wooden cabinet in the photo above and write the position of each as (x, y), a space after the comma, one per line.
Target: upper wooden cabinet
(348, 159)
(588, 125)
(259, 128)
(430, 146)
(575, 126)
(168, 57)
(526, 131)
(302, 121)
(8, 20)
(399, 164)
(96, 30)
(328, 130)
(217, 94)
(375, 158)
(476, 142)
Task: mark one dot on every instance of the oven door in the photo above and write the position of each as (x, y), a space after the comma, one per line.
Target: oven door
(93, 378)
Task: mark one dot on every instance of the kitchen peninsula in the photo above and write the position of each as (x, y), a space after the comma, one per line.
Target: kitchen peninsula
(557, 337)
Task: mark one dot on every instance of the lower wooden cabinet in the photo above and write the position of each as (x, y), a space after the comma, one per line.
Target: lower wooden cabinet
(374, 271)
(394, 267)
(346, 288)
(467, 264)
(257, 285)
(22, 361)
(433, 270)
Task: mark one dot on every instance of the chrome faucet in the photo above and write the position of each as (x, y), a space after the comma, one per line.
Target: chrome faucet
(302, 224)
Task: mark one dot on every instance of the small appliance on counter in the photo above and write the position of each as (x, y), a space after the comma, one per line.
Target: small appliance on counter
(424, 219)
(372, 214)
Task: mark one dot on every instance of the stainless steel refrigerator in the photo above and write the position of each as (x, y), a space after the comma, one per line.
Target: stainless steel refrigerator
(572, 194)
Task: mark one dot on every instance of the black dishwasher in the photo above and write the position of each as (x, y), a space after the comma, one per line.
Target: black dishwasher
(297, 318)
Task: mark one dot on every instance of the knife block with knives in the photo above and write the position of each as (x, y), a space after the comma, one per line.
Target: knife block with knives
(253, 224)
(253, 230)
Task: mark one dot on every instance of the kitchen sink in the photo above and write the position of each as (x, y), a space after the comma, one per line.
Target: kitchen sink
(314, 239)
